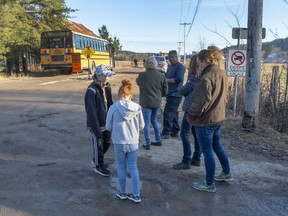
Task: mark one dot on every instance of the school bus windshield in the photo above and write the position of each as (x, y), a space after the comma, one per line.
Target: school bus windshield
(56, 42)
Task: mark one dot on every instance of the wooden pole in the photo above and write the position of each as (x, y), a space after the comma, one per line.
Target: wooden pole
(254, 44)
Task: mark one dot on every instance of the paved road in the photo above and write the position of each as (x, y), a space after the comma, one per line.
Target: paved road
(45, 152)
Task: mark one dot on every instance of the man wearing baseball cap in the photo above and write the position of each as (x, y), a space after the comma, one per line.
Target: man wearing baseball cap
(98, 99)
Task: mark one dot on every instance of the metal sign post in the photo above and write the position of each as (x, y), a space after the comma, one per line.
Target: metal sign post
(237, 58)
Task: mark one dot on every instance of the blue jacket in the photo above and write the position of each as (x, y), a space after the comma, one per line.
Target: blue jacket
(176, 72)
(187, 90)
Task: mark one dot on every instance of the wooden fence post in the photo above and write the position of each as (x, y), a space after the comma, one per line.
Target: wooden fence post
(274, 88)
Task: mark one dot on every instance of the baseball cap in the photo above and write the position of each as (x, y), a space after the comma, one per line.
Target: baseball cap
(103, 69)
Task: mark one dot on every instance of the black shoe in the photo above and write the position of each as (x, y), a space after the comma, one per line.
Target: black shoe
(195, 163)
(165, 136)
(102, 171)
(174, 134)
(158, 143)
(182, 166)
(147, 147)
(105, 165)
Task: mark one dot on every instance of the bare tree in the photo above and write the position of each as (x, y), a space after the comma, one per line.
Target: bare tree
(274, 33)
(215, 31)
(202, 42)
(237, 16)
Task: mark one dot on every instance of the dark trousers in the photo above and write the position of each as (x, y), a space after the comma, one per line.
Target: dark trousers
(170, 115)
(100, 148)
(185, 133)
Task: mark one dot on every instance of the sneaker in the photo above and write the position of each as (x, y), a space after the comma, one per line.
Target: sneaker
(122, 196)
(174, 134)
(102, 171)
(182, 166)
(105, 165)
(135, 199)
(158, 143)
(147, 147)
(93, 164)
(195, 163)
(202, 186)
(224, 177)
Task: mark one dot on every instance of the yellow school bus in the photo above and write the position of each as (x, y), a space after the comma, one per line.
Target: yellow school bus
(59, 47)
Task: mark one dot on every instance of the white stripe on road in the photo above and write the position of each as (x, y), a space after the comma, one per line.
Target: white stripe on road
(48, 83)
(52, 82)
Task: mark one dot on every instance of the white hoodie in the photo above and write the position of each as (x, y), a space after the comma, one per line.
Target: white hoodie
(125, 120)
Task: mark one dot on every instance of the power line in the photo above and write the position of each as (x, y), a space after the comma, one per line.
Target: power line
(195, 13)
(188, 11)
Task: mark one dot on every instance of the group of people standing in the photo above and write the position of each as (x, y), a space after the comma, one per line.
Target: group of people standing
(205, 94)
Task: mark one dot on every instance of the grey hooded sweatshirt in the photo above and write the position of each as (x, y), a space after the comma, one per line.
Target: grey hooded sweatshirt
(125, 120)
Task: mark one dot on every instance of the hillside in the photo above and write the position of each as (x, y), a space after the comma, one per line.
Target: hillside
(275, 51)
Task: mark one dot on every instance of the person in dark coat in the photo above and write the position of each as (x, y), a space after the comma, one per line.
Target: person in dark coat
(98, 99)
(186, 128)
(152, 87)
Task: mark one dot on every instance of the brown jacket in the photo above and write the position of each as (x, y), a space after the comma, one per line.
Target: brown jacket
(209, 98)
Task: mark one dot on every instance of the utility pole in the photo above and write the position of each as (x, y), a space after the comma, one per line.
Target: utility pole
(254, 44)
(179, 49)
(184, 40)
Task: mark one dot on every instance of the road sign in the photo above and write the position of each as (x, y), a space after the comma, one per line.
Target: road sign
(236, 63)
(88, 52)
(242, 33)
(76, 62)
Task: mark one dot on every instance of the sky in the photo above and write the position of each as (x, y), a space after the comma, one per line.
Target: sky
(159, 25)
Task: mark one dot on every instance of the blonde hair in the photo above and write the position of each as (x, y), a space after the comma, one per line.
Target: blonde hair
(126, 89)
(211, 55)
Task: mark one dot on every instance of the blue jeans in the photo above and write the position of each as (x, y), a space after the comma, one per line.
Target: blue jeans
(170, 115)
(126, 156)
(150, 115)
(209, 139)
(185, 132)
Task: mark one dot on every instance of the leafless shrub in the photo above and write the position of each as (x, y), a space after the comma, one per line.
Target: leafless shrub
(273, 109)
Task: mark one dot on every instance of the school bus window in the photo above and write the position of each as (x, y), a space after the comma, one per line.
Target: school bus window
(86, 42)
(77, 42)
(94, 47)
(68, 42)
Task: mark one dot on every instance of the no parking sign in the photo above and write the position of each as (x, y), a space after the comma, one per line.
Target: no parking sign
(236, 63)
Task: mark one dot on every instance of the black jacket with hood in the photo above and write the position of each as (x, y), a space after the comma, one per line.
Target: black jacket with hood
(96, 106)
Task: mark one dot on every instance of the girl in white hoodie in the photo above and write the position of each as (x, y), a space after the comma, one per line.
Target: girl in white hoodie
(125, 120)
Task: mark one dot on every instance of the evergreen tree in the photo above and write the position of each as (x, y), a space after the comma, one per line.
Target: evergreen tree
(21, 24)
(114, 43)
